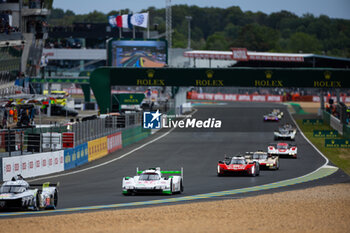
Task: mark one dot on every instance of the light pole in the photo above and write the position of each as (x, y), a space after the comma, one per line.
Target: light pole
(189, 18)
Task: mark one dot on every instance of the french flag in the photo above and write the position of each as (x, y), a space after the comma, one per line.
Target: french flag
(124, 21)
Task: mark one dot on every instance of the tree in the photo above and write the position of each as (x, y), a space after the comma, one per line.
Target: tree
(217, 41)
(257, 38)
(302, 42)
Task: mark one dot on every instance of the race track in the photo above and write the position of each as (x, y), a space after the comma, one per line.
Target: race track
(197, 151)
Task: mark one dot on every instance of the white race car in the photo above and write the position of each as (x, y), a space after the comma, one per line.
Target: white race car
(286, 132)
(153, 181)
(18, 194)
(265, 161)
(283, 149)
(278, 113)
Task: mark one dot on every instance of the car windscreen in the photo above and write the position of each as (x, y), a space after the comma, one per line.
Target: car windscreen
(259, 156)
(149, 176)
(237, 161)
(282, 146)
(12, 189)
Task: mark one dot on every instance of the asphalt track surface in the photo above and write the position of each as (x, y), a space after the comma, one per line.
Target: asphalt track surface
(197, 151)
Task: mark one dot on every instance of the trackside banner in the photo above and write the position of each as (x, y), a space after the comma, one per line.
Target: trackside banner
(32, 165)
(344, 99)
(235, 97)
(76, 156)
(97, 148)
(114, 142)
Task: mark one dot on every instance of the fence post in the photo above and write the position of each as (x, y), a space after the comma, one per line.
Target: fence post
(22, 133)
(8, 141)
(50, 136)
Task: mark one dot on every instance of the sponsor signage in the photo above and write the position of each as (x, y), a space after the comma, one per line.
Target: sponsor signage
(325, 133)
(337, 143)
(76, 156)
(130, 98)
(312, 121)
(210, 81)
(97, 148)
(235, 97)
(240, 54)
(52, 140)
(327, 81)
(68, 140)
(150, 80)
(33, 165)
(268, 81)
(114, 142)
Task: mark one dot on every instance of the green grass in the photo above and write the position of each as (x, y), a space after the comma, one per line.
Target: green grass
(338, 156)
(297, 108)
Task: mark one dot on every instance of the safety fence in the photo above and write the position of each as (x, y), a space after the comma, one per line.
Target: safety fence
(83, 142)
(18, 142)
(57, 137)
(92, 129)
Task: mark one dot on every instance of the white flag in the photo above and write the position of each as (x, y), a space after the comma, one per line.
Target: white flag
(140, 20)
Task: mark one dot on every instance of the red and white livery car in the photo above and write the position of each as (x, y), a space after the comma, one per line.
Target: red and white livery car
(283, 149)
(238, 165)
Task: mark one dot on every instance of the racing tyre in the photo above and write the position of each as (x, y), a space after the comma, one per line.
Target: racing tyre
(257, 171)
(277, 165)
(55, 199)
(38, 200)
(171, 187)
(219, 172)
(253, 171)
(181, 186)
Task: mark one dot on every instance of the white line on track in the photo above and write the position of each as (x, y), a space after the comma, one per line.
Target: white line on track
(301, 132)
(109, 161)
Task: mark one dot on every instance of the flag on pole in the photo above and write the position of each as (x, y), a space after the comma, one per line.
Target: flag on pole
(112, 19)
(140, 20)
(123, 21)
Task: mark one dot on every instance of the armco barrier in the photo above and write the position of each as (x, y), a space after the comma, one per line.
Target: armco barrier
(76, 156)
(132, 135)
(97, 148)
(114, 142)
(32, 165)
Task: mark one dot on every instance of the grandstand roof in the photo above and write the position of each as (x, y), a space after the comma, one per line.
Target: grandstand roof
(250, 58)
(265, 56)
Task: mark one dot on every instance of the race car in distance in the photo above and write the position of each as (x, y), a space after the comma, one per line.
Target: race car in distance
(271, 117)
(238, 165)
(282, 149)
(265, 161)
(18, 194)
(153, 181)
(278, 113)
(286, 132)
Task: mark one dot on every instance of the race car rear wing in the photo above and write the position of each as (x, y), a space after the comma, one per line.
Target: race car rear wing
(181, 172)
(45, 185)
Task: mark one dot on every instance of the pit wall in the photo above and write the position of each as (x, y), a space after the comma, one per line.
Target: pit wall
(40, 164)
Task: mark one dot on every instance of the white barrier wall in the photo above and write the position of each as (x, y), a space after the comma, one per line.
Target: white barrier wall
(33, 165)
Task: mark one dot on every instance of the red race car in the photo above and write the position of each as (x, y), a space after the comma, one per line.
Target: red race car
(238, 165)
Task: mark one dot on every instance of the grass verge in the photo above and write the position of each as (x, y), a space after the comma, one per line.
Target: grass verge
(338, 156)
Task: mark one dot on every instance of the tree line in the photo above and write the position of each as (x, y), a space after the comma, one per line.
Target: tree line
(220, 29)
